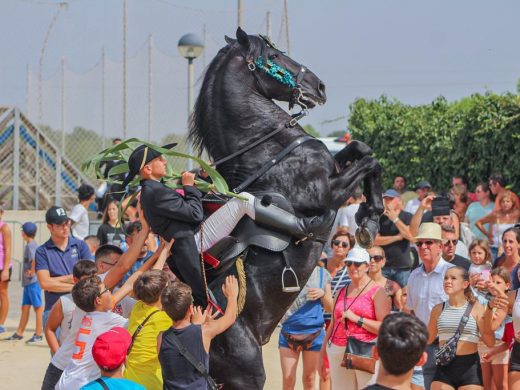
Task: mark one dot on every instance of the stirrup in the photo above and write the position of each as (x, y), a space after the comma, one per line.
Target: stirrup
(290, 289)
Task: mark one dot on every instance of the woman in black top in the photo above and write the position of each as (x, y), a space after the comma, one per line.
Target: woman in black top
(110, 231)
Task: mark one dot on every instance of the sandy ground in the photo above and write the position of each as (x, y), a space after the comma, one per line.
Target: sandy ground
(23, 366)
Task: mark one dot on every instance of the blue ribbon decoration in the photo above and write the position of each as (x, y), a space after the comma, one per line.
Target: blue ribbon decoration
(276, 71)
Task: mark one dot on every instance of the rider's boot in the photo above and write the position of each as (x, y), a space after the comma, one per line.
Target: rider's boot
(279, 219)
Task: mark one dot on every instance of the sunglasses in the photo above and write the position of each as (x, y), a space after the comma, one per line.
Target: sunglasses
(350, 263)
(452, 242)
(427, 243)
(344, 244)
(377, 258)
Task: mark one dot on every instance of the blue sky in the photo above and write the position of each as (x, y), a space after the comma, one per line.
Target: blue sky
(410, 49)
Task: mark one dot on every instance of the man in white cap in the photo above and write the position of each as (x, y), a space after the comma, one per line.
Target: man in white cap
(426, 285)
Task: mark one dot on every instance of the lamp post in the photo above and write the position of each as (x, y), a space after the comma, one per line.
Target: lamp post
(190, 47)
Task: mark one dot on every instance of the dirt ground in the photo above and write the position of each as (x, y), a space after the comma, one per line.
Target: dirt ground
(23, 366)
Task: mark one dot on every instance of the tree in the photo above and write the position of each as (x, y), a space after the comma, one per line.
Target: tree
(309, 129)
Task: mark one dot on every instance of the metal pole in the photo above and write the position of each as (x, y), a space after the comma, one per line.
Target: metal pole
(37, 189)
(240, 14)
(125, 19)
(268, 22)
(63, 106)
(191, 78)
(16, 162)
(150, 80)
(286, 10)
(103, 133)
(40, 67)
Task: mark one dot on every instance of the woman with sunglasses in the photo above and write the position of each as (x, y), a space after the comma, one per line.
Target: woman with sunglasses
(359, 309)
(341, 243)
(464, 371)
(375, 267)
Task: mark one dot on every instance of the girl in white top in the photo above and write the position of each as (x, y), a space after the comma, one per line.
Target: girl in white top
(464, 370)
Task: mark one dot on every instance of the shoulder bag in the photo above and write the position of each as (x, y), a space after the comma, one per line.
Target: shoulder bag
(303, 342)
(358, 354)
(447, 353)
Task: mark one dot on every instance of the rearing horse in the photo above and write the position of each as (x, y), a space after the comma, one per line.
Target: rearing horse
(234, 109)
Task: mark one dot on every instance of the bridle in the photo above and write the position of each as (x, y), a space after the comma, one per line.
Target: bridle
(285, 77)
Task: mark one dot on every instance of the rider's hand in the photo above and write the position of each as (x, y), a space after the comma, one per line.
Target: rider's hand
(188, 179)
(230, 287)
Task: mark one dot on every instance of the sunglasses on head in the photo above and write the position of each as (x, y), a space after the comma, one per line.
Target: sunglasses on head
(344, 244)
(452, 242)
(427, 243)
(377, 258)
(350, 263)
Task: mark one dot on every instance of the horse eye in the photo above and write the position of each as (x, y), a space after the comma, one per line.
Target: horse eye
(273, 56)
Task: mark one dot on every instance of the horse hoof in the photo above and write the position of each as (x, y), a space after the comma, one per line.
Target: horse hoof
(366, 233)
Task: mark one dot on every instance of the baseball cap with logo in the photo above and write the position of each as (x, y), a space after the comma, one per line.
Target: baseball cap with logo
(29, 228)
(110, 348)
(56, 215)
(141, 156)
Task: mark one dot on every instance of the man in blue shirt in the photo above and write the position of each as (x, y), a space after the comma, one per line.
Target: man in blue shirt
(56, 258)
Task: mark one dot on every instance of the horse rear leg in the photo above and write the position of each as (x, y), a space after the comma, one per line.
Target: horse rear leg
(236, 359)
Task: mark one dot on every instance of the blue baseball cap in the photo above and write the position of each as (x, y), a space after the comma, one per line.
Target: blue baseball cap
(391, 193)
(29, 228)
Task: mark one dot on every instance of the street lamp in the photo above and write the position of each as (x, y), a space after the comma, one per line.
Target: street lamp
(190, 47)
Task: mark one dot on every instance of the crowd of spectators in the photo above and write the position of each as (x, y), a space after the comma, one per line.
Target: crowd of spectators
(113, 312)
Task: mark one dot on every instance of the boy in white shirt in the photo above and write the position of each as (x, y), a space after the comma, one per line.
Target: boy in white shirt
(96, 301)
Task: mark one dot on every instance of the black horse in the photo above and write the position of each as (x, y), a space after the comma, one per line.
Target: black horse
(234, 109)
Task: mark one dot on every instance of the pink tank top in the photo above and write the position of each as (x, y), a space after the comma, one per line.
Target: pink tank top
(363, 306)
(2, 254)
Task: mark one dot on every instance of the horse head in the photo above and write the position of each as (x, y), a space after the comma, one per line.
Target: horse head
(278, 76)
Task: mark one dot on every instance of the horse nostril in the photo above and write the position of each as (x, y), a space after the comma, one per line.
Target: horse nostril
(321, 89)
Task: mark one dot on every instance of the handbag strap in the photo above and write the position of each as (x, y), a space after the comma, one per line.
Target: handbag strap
(346, 308)
(139, 328)
(102, 383)
(464, 320)
(194, 362)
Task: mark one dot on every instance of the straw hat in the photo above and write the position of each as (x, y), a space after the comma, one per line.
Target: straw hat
(429, 231)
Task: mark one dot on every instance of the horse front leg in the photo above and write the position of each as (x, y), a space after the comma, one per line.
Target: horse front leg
(354, 151)
(236, 359)
(368, 171)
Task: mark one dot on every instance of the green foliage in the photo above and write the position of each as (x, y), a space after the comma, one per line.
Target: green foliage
(337, 133)
(475, 136)
(309, 129)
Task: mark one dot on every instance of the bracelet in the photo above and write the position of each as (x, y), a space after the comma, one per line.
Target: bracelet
(395, 220)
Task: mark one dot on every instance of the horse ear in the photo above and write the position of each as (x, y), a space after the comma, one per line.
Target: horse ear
(229, 41)
(243, 38)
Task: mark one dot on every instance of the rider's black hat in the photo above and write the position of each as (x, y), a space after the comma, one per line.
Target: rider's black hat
(141, 156)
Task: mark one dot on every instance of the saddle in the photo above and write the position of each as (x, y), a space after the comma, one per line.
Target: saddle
(247, 233)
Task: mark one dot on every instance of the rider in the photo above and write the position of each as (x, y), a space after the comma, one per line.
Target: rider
(174, 216)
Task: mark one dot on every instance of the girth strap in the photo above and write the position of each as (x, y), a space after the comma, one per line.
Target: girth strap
(271, 163)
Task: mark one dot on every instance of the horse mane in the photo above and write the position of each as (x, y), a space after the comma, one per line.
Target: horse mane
(200, 129)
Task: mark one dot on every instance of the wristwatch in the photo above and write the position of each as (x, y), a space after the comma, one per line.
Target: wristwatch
(360, 322)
